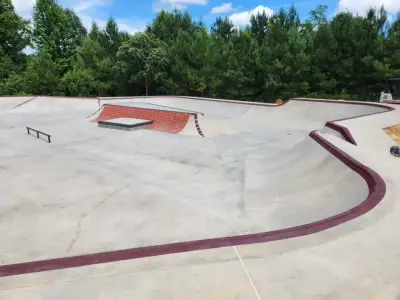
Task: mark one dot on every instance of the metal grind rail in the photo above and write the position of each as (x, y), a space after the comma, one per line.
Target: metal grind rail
(38, 133)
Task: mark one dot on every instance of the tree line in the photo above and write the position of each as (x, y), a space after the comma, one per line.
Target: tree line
(275, 57)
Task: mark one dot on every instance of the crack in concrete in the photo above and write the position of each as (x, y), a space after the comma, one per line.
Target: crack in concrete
(87, 214)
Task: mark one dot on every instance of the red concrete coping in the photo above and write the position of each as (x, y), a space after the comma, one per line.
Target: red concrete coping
(394, 101)
(343, 131)
(376, 187)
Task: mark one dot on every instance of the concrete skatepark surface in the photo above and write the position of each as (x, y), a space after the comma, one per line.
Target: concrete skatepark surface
(274, 202)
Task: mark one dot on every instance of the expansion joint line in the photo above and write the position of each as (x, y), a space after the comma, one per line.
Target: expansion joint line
(247, 273)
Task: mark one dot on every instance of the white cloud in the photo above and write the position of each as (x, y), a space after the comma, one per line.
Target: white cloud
(361, 6)
(160, 5)
(24, 7)
(222, 9)
(86, 5)
(185, 2)
(243, 18)
(88, 20)
(129, 26)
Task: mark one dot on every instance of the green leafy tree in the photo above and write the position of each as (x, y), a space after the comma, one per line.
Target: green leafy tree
(41, 76)
(142, 59)
(289, 61)
(277, 56)
(75, 34)
(222, 28)
(14, 32)
(259, 25)
(393, 48)
(14, 37)
(167, 25)
(14, 85)
(57, 32)
(111, 38)
(105, 48)
(79, 81)
(323, 49)
(95, 33)
(226, 73)
(253, 65)
(318, 15)
(87, 77)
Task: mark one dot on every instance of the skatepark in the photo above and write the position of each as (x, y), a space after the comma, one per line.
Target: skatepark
(197, 198)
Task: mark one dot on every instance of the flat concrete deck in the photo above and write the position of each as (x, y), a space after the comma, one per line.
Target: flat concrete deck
(258, 170)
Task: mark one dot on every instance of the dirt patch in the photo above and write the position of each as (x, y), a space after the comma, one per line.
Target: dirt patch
(394, 132)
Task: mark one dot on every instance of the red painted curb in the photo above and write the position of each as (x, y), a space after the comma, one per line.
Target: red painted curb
(343, 131)
(377, 190)
(394, 101)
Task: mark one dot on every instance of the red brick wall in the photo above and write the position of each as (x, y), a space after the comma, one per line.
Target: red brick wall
(163, 120)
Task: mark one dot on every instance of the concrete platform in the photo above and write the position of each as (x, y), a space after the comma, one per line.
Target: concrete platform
(128, 124)
(269, 205)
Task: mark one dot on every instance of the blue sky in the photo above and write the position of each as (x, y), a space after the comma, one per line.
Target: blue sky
(133, 15)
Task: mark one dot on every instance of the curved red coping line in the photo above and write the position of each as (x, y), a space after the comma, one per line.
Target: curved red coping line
(343, 131)
(377, 190)
(394, 101)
